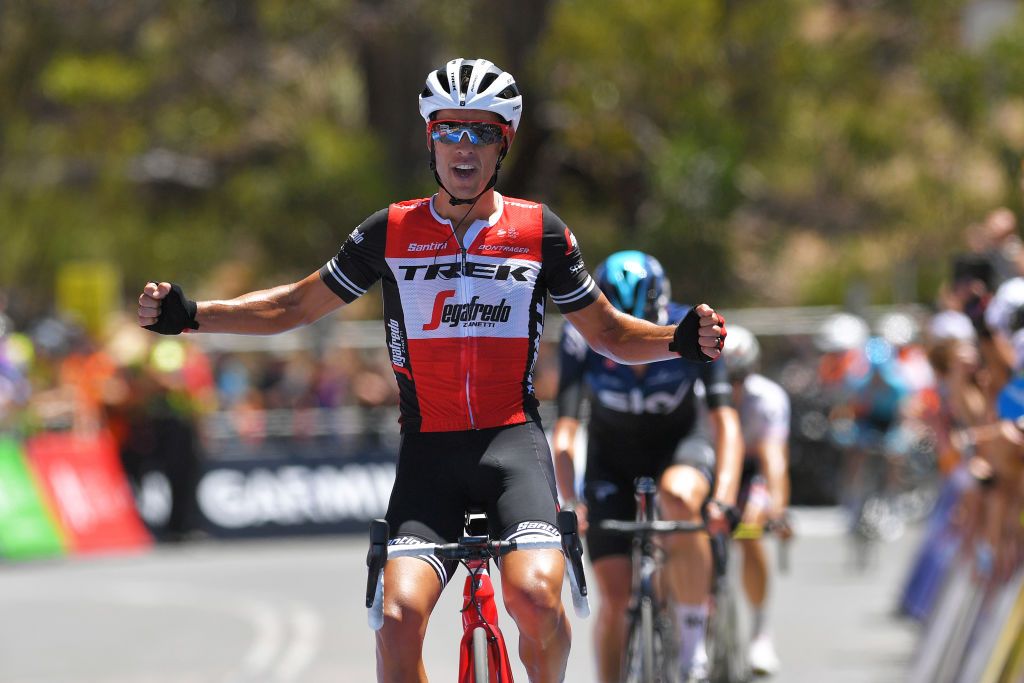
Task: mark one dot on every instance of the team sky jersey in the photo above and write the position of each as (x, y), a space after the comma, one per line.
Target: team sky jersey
(764, 412)
(463, 327)
(653, 410)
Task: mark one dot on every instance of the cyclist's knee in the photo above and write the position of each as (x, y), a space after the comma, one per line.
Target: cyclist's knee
(682, 494)
(533, 590)
(403, 621)
(682, 504)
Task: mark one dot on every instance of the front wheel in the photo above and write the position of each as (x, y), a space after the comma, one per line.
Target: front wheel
(481, 656)
(651, 654)
(726, 649)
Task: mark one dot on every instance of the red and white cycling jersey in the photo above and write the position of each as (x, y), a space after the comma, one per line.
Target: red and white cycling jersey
(464, 328)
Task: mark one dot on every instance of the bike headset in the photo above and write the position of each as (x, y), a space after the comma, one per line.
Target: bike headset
(635, 283)
(742, 354)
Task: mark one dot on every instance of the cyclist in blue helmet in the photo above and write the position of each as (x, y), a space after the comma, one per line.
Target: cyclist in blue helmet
(672, 420)
(635, 283)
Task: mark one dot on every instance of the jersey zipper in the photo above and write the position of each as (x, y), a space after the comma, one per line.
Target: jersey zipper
(466, 353)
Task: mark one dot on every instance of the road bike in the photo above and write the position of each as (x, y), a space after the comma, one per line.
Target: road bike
(652, 647)
(483, 657)
(727, 646)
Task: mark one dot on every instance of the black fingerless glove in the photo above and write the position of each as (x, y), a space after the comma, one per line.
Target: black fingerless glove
(731, 513)
(176, 313)
(686, 340)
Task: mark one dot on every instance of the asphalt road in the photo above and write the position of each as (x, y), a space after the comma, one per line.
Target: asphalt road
(284, 611)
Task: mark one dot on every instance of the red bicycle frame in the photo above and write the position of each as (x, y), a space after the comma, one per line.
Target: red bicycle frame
(480, 611)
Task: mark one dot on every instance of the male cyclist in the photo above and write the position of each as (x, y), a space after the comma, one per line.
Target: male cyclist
(875, 401)
(465, 274)
(764, 412)
(646, 420)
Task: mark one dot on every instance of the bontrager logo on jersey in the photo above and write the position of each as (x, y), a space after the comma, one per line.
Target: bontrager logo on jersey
(396, 346)
(472, 314)
(505, 248)
(433, 246)
(447, 271)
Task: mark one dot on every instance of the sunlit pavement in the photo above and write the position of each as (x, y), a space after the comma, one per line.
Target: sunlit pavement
(292, 611)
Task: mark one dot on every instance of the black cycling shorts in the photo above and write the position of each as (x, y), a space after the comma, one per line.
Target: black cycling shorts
(610, 473)
(506, 471)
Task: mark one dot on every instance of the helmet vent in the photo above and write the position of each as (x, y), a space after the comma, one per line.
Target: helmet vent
(486, 81)
(509, 93)
(442, 79)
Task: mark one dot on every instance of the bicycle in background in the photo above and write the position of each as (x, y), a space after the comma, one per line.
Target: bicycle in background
(483, 656)
(652, 643)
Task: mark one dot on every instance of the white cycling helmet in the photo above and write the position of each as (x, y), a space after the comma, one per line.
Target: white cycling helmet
(472, 84)
(841, 332)
(742, 352)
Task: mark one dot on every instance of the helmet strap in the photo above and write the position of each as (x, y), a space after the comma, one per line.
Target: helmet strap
(457, 201)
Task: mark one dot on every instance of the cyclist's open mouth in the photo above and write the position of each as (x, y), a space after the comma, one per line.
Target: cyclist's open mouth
(464, 171)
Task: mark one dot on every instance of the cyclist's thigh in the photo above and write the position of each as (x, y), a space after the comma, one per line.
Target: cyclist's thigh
(695, 451)
(690, 474)
(608, 493)
(516, 482)
(427, 500)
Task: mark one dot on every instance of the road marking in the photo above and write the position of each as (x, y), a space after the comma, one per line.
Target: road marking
(286, 638)
(307, 628)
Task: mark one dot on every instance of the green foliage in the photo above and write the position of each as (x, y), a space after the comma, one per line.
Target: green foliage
(767, 152)
(82, 79)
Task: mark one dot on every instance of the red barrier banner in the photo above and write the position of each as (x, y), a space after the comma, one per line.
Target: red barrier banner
(83, 477)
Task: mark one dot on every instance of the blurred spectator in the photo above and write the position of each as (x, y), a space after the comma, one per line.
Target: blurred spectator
(1003, 245)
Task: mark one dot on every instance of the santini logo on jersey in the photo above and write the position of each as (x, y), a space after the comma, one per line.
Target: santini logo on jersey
(433, 246)
(472, 314)
(447, 271)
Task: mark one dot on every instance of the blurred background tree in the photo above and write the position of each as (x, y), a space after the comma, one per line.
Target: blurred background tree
(770, 153)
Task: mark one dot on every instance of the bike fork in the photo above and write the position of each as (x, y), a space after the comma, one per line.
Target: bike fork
(479, 612)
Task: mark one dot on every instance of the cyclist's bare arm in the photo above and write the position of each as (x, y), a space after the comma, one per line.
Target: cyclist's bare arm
(725, 423)
(632, 341)
(571, 378)
(564, 439)
(774, 456)
(267, 311)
